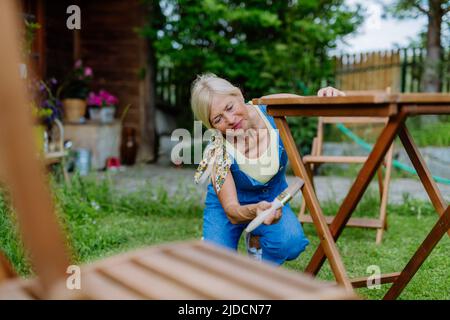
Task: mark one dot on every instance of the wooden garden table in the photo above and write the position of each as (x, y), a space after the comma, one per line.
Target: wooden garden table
(397, 107)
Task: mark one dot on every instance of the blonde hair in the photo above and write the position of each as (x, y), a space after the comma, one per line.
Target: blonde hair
(202, 91)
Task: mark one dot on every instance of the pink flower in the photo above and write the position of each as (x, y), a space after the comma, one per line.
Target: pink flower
(78, 63)
(111, 100)
(94, 100)
(88, 72)
(91, 99)
(103, 98)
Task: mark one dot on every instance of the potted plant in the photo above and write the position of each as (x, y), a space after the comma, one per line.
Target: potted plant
(46, 107)
(102, 106)
(74, 92)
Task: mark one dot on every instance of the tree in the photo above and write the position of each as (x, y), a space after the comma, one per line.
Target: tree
(435, 10)
(261, 45)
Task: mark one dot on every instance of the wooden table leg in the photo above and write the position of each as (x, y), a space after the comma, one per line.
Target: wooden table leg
(359, 186)
(422, 170)
(436, 234)
(384, 195)
(326, 239)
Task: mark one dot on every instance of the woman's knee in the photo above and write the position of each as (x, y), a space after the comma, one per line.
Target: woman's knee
(295, 243)
(284, 248)
(294, 246)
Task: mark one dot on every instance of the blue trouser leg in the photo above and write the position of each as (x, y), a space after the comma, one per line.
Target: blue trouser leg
(282, 241)
(218, 229)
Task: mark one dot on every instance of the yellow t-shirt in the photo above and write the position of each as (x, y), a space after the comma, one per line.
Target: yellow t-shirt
(267, 164)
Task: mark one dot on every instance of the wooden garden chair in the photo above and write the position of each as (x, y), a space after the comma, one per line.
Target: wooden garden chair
(59, 155)
(317, 158)
(184, 270)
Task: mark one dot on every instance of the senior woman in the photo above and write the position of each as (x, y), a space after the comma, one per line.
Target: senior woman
(246, 160)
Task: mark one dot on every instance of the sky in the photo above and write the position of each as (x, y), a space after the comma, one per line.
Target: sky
(379, 34)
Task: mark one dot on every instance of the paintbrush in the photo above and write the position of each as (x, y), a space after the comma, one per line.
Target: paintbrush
(283, 198)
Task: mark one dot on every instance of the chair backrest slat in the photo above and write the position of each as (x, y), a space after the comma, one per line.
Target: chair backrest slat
(23, 173)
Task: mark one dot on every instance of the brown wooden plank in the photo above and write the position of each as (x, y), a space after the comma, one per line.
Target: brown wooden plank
(147, 283)
(353, 222)
(332, 110)
(384, 193)
(262, 274)
(427, 109)
(265, 269)
(423, 98)
(334, 159)
(361, 282)
(245, 277)
(200, 282)
(215, 253)
(341, 100)
(312, 202)
(13, 290)
(99, 287)
(260, 282)
(361, 99)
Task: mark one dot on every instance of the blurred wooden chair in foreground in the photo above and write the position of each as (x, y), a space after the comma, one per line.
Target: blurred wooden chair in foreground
(185, 270)
(317, 158)
(6, 270)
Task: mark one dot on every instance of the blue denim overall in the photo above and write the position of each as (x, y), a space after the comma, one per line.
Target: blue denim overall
(281, 241)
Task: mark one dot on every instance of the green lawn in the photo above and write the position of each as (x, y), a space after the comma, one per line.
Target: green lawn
(100, 223)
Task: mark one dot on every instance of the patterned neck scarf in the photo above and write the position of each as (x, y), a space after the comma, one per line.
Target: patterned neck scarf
(215, 157)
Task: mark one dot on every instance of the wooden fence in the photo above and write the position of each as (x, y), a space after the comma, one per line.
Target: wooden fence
(171, 93)
(401, 70)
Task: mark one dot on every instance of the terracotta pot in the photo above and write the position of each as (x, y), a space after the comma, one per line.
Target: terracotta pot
(74, 109)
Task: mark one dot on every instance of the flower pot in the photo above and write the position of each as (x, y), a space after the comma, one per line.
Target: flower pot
(107, 114)
(95, 114)
(74, 109)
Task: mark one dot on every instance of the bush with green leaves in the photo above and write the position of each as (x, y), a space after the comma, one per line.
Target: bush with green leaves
(261, 46)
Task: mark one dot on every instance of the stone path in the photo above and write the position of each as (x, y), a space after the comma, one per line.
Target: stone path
(180, 181)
